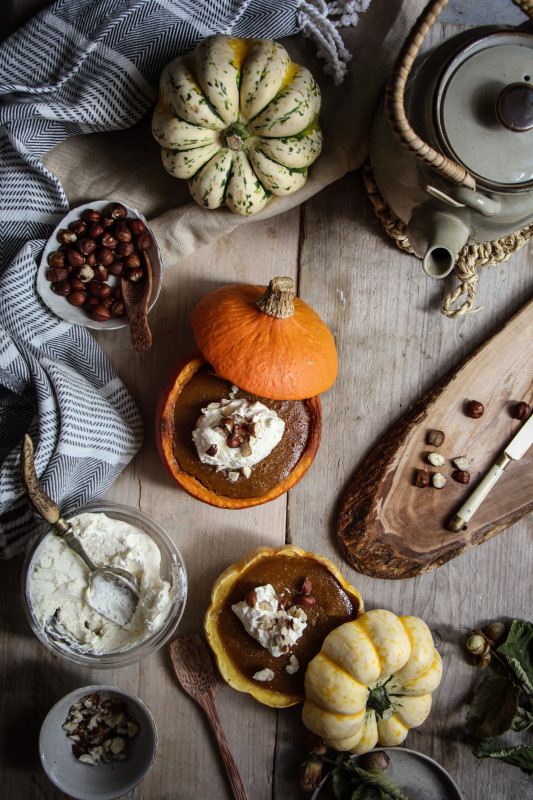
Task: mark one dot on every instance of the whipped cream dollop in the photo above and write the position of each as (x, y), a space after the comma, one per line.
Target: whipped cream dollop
(58, 584)
(275, 628)
(234, 434)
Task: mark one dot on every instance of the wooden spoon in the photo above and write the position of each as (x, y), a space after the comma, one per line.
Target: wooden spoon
(136, 296)
(194, 670)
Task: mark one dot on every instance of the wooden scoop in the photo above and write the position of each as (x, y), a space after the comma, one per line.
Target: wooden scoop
(136, 297)
(194, 670)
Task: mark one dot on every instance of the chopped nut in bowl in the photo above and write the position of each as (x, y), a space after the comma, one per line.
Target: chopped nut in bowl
(97, 743)
(90, 251)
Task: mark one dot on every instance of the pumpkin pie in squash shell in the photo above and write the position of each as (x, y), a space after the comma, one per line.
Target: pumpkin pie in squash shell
(263, 357)
(310, 598)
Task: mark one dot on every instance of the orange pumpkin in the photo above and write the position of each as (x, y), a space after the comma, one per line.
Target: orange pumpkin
(265, 340)
(182, 373)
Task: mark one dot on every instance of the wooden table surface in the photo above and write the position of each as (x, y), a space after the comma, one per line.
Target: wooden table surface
(393, 344)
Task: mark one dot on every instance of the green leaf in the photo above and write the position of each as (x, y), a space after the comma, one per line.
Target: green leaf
(523, 720)
(493, 707)
(517, 650)
(520, 756)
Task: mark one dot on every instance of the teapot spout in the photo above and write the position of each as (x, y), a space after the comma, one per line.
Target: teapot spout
(436, 237)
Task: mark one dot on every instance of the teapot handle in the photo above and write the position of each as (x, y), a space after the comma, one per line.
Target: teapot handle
(394, 97)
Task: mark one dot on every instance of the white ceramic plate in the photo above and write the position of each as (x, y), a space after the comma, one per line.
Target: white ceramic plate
(60, 305)
(416, 774)
(101, 781)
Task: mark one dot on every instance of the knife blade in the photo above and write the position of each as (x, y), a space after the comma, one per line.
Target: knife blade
(514, 451)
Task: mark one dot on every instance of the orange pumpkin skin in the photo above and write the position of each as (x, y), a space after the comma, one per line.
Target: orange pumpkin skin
(182, 372)
(282, 359)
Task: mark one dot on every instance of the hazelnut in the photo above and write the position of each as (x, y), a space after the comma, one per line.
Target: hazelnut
(122, 231)
(421, 478)
(91, 302)
(116, 268)
(86, 245)
(75, 258)
(104, 256)
(76, 298)
(474, 409)
(56, 274)
(91, 259)
(117, 309)
(66, 236)
(132, 261)
(56, 259)
(90, 215)
(251, 598)
(124, 249)
(98, 289)
(85, 273)
(435, 438)
(108, 240)
(100, 313)
(137, 226)
(107, 223)
(78, 226)
(62, 288)
(462, 463)
(143, 241)
(134, 275)
(521, 410)
(439, 480)
(304, 600)
(436, 459)
(117, 211)
(461, 476)
(101, 273)
(76, 285)
(95, 230)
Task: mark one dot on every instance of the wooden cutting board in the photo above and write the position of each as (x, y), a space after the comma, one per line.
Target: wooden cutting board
(389, 528)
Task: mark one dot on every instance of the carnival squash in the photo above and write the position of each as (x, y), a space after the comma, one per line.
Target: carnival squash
(266, 340)
(239, 656)
(239, 120)
(371, 682)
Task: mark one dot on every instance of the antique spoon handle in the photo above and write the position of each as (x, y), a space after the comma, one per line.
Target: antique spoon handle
(206, 701)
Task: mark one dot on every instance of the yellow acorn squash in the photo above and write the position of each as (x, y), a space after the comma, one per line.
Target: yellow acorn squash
(239, 120)
(371, 682)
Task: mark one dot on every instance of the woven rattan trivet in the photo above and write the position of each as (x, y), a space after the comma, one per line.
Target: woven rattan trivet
(469, 259)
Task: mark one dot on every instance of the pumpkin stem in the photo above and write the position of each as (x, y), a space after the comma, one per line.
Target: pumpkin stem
(278, 300)
(235, 136)
(380, 702)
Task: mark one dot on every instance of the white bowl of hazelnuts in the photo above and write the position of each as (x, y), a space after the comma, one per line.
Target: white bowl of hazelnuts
(91, 250)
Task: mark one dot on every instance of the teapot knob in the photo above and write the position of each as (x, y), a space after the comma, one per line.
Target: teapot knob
(515, 106)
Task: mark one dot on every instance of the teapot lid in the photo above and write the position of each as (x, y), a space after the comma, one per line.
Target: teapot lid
(483, 110)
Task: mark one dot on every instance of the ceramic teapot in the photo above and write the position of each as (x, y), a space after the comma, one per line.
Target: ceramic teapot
(451, 146)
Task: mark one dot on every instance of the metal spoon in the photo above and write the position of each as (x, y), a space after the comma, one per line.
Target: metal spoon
(113, 591)
(136, 296)
(194, 670)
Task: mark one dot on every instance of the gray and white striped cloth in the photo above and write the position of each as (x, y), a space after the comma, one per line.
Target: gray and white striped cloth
(55, 382)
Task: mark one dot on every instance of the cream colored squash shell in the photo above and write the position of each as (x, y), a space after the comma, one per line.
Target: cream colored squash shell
(239, 120)
(378, 649)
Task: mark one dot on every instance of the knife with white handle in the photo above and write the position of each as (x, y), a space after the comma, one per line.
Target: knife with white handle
(513, 452)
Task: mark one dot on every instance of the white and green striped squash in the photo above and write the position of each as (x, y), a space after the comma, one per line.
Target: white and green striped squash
(239, 120)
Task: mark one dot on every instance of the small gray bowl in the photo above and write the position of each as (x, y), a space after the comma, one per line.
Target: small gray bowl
(101, 781)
